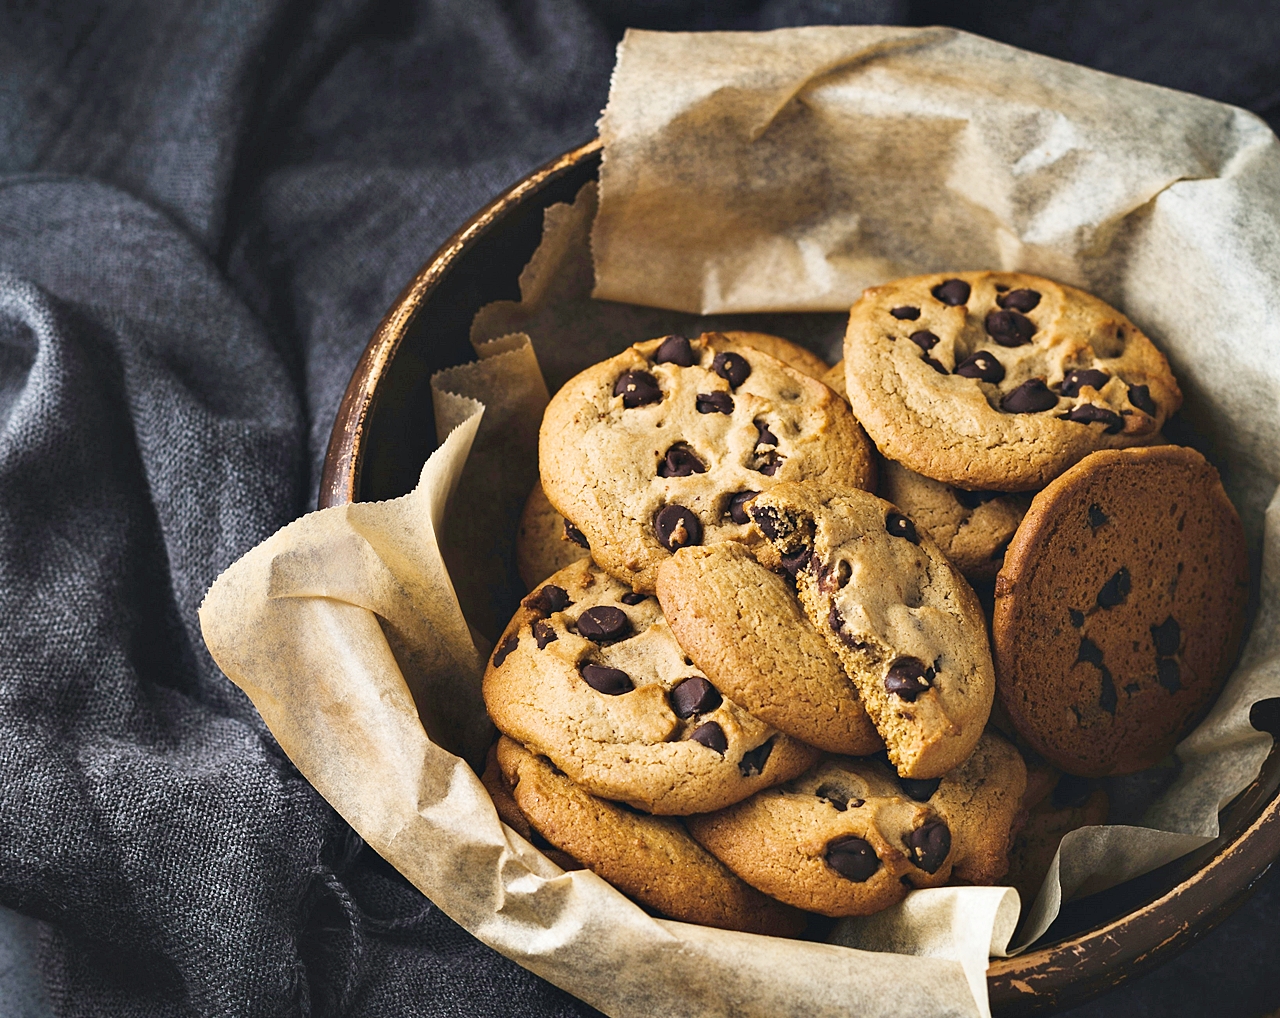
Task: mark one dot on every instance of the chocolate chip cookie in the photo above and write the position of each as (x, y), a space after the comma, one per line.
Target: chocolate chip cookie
(647, 452)
(588, 674)
(510, 813)
(651, 859)
(841, 840)
(744, 628)
(998, 380)
(1120, 608)
(972, 528)
(901, 619)
(1072, 804)
(545, 542)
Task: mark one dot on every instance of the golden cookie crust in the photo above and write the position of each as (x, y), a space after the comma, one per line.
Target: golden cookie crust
(973, 433)
(544, 544)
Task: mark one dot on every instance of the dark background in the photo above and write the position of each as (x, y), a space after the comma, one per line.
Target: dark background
(205, 208)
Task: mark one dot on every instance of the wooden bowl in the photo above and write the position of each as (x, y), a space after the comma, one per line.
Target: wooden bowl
(385, 431)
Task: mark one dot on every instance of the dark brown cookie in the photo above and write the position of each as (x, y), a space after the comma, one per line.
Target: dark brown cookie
(1120, 608)
(1071, 805)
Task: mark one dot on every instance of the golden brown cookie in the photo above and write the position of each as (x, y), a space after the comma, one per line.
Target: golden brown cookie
(1071, 805)
(903, 622)
(999, 380)
(743, 626)
(840, 840)
(1120, 608)
(510, 813)
(545, 542)
(651, 859)
(588, 674)
(646, 452)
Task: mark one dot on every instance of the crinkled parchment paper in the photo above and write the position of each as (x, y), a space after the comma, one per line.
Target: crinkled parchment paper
(778, 172)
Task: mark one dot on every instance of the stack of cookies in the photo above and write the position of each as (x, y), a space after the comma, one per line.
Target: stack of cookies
(745, 688)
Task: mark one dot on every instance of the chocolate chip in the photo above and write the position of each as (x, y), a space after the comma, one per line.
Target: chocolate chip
(767, 520)
(937, 366)
(604, 623)
(1097, 518)
(1077, 618)
(544, 633)
(1089, 653)
(676, 350)
(633, 598)
(973, 499)
(796, 561)
(1031, 397)
(763, 435)
(753, 760)
(694, 695)
(1019, 300)
(1107, 692)
(710, 735)
(899, 526)
(1076, 380)
(713, 403)
(905, 313)
(834, 795)
(548, 599)
(853, 858)
(1167, 637)
(677, 527)
(737, 506)
(572, 533)
(1071, 792)
(769, 463)
(1140, 396)
(610, 681)
(920, 789)
(732, 367)
(504, 649)
(954, 292)
(924, 339)
(908, 677)
(1008, 328)
(637, 388)
(1115, 590)
(1087, 413)
(929, 845)
(680, 461)
(981, 365)
(1168, 674)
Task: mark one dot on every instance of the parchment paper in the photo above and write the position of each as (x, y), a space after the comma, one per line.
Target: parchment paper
(346, 631)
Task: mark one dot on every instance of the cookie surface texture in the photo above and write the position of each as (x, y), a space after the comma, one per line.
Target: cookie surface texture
(1120, 609)
(652, 859)
(589, 675)
(645, 452)
(545, 541)
(901, 619)
(744, 627)
(840, 840)
(793, 355)
(973, 528)
(1000, 380)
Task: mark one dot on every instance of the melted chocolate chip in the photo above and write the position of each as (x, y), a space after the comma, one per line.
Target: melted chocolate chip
(1019, 300)
(795, 561)
(905, 313)
(769, 463)
(1097, 518)
(694, 695)
(953, 292)
(713, 403)
(572, 533)
(1072, 792)
(633, 598)
(677, 527)
(710, 735)
(981, 365)
(1078, 379)
(1167, 637)
(676, 350)
(1107, 697)
(1008, 328)
(680, 461)
(1077, 618)
(929, 845)
(924, 339)
(899, 526)
(1087, 413)
(1140, 396)
(637, 388)
(544, 633)
(604, 623)
(610, 681)
(767, 520)
(753, 760)
(937, 366)
(547, 600)
(973, 499)
(763, 435)
(737, 506)
(1115, 590)
(1031, 397)
(504, 650)
(853, 858)
(1168, 674)
(834, 795)
(920, 789)
(1089, 653)
(908, 677)
(732, 367)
